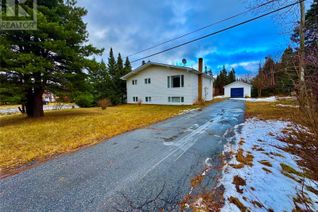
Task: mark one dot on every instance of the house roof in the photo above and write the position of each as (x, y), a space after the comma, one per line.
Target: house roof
(142, 67)
(237, 82)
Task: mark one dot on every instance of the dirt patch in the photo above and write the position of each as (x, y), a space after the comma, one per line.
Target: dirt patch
(257, 204)
(238, 181)
(257, 148)
(289, 170)
(238, 203)
(237, 166)
(267, 170)
(197, 180)
(209, 201)
(241, 142)
(246, 160)
(265, 163)
(277, 154)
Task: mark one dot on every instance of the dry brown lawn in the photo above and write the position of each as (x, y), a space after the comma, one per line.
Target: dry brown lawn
(24, 140)
(272, 110)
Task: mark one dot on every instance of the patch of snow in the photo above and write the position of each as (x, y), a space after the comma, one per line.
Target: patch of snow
(219, 97)
(188, 111)
(199, 203)
(282, 105)
(45, 107)
(208, 162)
(267, 99)
(272, 189)
(287, 97)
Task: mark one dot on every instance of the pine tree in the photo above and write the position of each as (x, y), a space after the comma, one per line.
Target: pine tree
(111, 64)
(231, 76)
(127, 66)
(126, 70)
(51, 58)
(119, 83)
(100, 80)
(220, 82)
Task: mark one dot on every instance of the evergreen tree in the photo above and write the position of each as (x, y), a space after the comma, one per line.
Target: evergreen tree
(220, 82)
(111, 64)
(286, 73)
(52, 58)
(231, 77)
(128, 67)
(123, 87)
(311, 27)
(100, 81)
(119, 83)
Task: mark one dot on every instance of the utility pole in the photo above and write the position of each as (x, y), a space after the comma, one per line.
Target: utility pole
(302, 41)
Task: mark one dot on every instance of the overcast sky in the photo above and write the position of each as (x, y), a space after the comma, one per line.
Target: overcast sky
(129, 26)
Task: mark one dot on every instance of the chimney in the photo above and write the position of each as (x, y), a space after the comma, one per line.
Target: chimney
(200, 80)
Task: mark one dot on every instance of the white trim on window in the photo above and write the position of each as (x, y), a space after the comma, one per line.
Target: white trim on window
(176, 99)
(175, 81)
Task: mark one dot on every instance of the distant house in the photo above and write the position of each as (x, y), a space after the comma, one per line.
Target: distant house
(157, 83)
(48, 97)
(237, 89)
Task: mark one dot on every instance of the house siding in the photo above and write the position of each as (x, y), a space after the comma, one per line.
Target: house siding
(158, 88)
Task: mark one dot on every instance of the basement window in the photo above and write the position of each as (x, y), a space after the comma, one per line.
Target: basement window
(148, 98)
(175, 99)
(135, 99)
(176, 81)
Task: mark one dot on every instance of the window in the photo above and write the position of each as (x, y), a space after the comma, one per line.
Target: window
(176, 99)
(134, 82)
(147, 81)
(148, 98)
(135, 99)
(176, 81)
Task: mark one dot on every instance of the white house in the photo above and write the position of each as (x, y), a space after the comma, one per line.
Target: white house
(237, 89)
(157, 83)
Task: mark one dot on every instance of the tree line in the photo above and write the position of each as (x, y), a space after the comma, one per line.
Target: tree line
(105, 82)
(284, 77)
(222, 79)
(56, 58)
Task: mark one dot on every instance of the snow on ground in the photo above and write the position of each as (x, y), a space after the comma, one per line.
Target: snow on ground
(263, 185)
(282, 105)
(266, 99)
(219, 97)
(8, 111)
(188, 111)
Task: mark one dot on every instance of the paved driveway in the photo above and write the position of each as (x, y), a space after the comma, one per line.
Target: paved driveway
(144, 169)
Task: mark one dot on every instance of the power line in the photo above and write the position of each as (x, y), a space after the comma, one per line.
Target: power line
(204, 27)
(219, 31)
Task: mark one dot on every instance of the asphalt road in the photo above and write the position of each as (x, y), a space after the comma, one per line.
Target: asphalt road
(145, 169)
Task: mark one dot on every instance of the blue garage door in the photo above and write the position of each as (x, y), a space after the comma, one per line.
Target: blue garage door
(237, 92)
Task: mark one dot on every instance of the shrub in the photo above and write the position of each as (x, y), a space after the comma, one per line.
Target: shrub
(103, 103)
(85, 100)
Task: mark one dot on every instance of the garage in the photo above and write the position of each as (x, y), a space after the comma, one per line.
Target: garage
(237, 89)
(237, 92)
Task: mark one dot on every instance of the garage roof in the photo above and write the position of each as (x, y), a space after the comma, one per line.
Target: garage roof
(240, 82)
